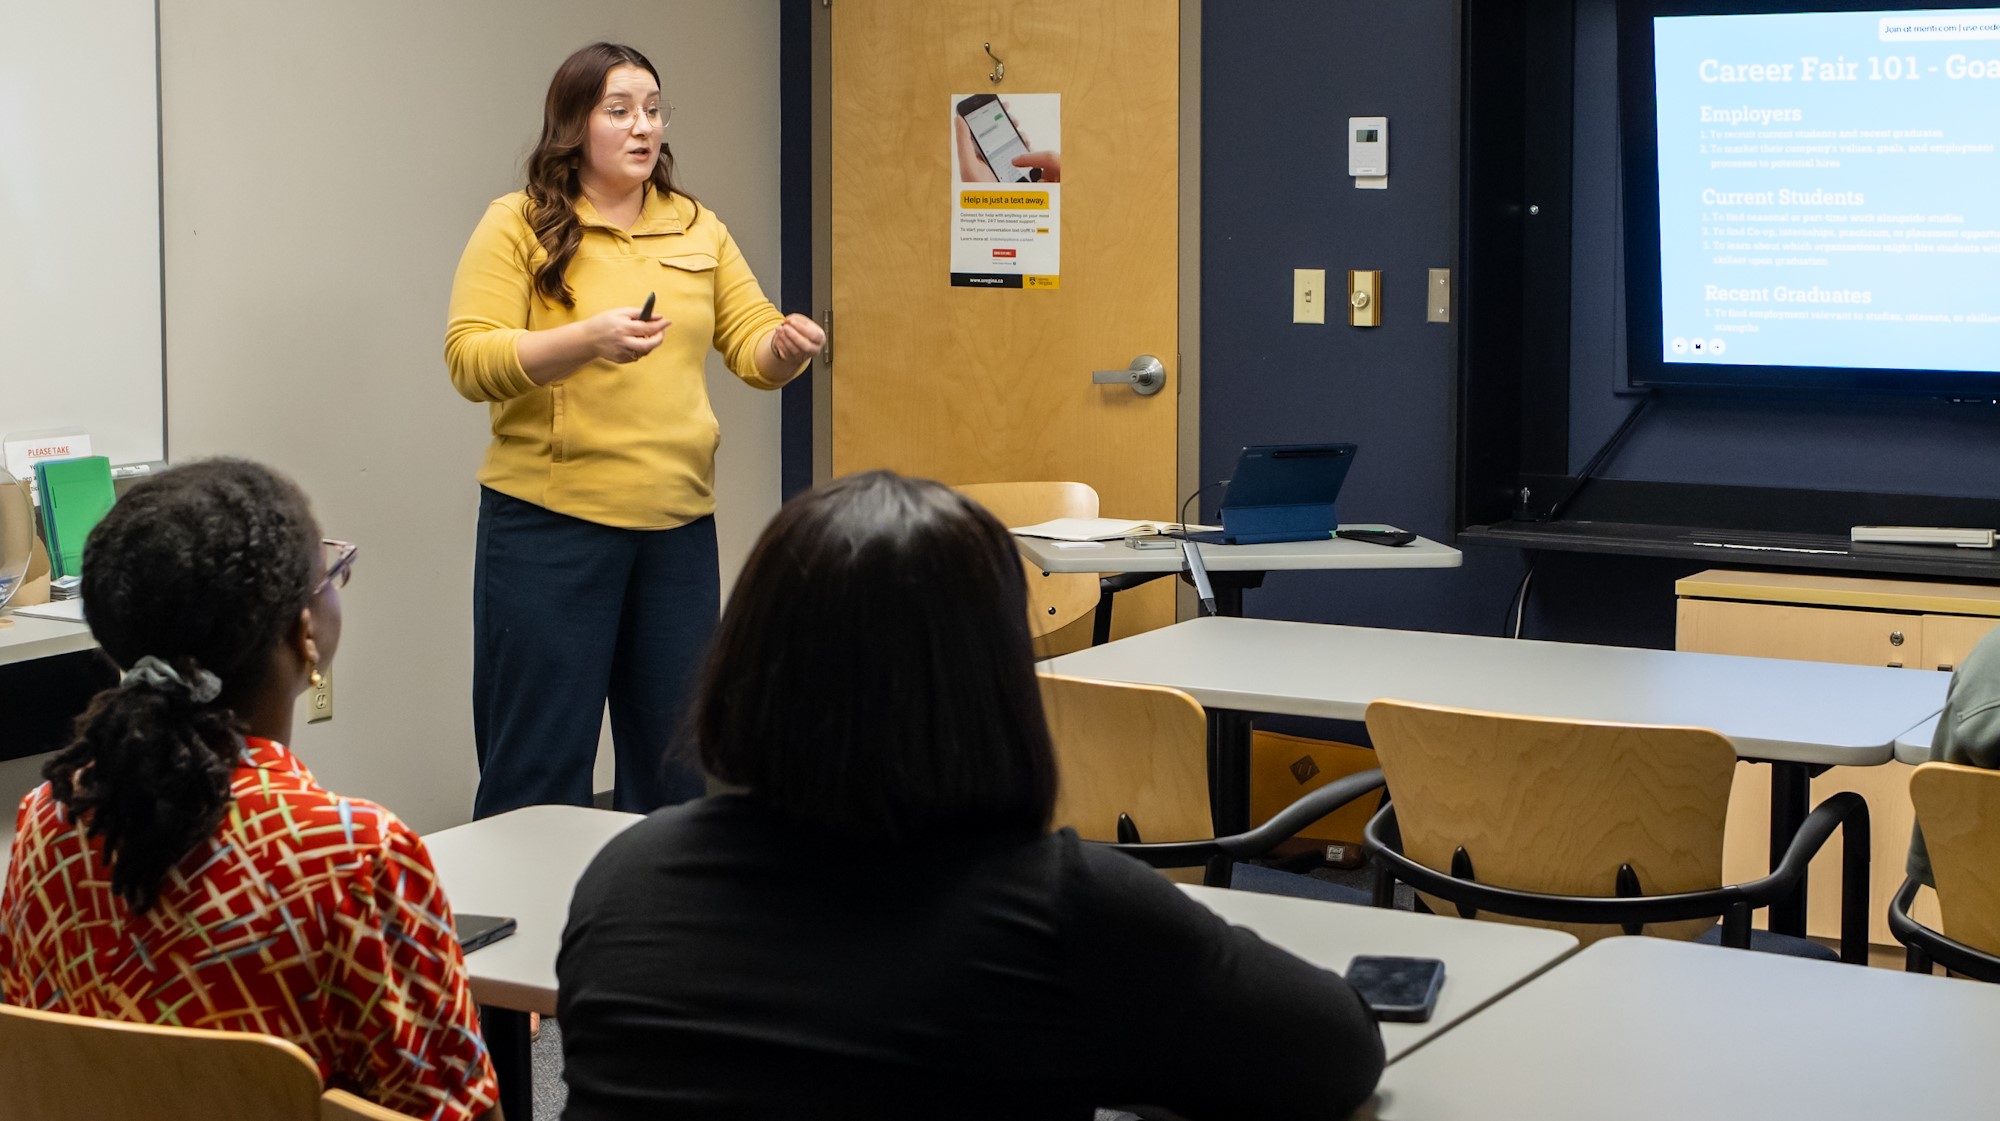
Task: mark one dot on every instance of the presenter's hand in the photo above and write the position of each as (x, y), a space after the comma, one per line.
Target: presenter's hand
(619, 335)
(796, 340)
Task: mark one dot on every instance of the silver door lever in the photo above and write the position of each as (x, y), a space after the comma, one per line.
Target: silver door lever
(1146, 375)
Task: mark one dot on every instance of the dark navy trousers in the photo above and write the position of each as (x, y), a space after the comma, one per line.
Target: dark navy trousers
(568, 615)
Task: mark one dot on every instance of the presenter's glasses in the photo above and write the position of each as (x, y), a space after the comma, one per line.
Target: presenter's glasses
(659, 116)
(339, 563)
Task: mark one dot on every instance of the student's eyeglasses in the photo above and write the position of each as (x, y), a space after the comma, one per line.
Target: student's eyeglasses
(622, 116)
(339, 557)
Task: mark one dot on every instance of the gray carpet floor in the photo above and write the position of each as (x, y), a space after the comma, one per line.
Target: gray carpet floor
(550, 1093)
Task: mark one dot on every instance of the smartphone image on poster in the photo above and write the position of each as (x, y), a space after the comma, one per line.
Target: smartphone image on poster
(997, 138)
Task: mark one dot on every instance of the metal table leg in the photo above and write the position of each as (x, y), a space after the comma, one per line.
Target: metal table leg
(1791, 795)
(1229, 770)
(507, 1041)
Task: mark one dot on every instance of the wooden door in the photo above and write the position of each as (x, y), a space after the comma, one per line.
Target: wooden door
(974, 385)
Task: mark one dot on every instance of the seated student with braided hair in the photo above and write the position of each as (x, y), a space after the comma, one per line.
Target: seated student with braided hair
(181, 866)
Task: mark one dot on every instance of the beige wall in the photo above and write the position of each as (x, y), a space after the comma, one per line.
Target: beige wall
(323, 166)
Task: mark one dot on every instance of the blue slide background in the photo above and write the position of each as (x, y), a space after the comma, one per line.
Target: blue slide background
(1911, 271)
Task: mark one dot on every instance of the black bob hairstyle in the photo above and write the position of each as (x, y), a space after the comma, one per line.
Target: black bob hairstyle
(873, 676)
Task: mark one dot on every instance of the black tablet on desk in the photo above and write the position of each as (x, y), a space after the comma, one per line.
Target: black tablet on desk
(1282, 492)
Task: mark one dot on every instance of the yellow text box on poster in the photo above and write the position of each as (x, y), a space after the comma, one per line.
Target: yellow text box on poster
(1041, 282)
(1004, 200)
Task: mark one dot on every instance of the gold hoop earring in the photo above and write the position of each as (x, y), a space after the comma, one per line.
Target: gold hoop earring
(317, 678)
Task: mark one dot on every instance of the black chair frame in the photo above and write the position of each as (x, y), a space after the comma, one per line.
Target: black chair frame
(1216, 854)
(1629, 908)
(1924, 946)
(1107, 587)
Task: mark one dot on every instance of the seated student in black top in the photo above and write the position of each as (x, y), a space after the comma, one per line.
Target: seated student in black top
(876, 920)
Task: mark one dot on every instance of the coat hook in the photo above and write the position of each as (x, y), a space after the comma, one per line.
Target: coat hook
(999, 67)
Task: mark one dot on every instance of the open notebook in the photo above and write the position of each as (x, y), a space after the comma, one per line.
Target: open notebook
(1098, 529)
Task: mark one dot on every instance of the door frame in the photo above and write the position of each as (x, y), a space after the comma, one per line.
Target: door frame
(1187, 363)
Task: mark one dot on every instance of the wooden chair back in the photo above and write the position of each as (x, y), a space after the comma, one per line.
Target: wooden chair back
(1958, 808)
(339, 1105)
(1138, 750)
(56, 1067)
(1556, 806)
(1055, 600)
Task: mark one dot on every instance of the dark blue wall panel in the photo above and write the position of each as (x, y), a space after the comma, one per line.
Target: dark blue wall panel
(1279, 80)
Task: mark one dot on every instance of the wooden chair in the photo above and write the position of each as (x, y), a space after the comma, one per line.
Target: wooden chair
(56, 1067)
(1588, 827)
(1055, 600)
(1958, 809)
(1132, 760)
(339, 1105)
(1132, 764)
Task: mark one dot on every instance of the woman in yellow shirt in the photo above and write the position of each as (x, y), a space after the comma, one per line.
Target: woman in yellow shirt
(595, 576)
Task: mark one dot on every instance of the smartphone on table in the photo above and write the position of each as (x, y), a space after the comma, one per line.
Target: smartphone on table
(1400, 990)
(997, 138)
(478, 931)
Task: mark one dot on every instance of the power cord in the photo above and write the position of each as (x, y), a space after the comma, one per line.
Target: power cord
(1517, 607)
(1198, 492)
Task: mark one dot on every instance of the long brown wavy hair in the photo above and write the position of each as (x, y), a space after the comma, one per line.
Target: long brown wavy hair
(555, 165)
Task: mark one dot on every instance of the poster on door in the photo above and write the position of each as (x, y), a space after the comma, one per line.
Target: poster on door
(1006, 195)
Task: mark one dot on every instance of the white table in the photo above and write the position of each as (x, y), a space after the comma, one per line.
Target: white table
(1235, 568)
(1798, 716)
(1914, 746)
(1482, 960)
(523, 865)
(1770, 708)
(24, 638)
(1287, 556)
(1645, 1029)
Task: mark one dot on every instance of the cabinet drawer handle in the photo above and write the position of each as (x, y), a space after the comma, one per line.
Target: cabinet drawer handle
(1892, 665)
(1945, 666)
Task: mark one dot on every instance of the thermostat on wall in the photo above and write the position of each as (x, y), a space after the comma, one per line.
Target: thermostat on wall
(1368, 151)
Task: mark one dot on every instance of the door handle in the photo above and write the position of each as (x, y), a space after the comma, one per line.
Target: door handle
(1146, 375)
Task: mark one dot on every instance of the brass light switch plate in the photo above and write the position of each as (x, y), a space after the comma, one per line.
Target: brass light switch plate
(1364, 297)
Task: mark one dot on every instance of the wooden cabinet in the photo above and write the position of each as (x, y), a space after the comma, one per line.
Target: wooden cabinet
(1808, 634)
(1924, 627)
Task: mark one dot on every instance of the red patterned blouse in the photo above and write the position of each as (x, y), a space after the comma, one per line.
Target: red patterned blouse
(308, 916)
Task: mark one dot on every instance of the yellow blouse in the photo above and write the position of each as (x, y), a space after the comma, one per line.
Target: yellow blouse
(628, 445)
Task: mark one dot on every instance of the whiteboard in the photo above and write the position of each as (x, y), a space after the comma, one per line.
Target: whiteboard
(80, 309)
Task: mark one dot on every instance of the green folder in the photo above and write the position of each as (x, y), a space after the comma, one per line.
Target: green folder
(76, 493)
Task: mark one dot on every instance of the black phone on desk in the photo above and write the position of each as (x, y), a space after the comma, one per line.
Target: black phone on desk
(1399, 990)
(1377, 536)
(478, 931)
